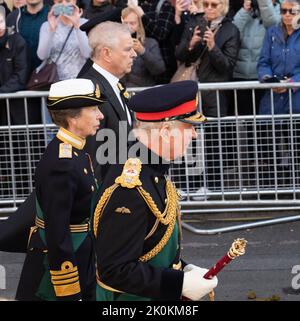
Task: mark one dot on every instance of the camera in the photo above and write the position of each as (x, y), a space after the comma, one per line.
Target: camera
(61, 9)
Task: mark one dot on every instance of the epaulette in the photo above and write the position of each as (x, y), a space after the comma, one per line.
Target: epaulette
(65, 150)
(130, 177)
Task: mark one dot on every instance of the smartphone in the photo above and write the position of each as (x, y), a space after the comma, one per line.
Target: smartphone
(69, 10)
(61, 9)
(203, 24)
(271, 80)
(58, 10)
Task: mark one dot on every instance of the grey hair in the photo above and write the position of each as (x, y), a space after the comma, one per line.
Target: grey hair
(106, 34)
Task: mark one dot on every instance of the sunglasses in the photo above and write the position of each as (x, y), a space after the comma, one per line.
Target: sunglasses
(213, 5)
(292, 12)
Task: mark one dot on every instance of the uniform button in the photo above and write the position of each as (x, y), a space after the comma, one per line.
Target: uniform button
(75, 154)
(166, 200)
(85, 171)
(156, 179)
(92, 188)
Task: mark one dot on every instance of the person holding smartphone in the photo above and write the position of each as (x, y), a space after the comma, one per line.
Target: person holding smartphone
(61, 37)
(149, 61)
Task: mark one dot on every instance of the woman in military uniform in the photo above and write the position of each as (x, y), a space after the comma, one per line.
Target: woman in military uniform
(60, 259)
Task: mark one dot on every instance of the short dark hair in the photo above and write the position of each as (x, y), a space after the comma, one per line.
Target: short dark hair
(60, 117)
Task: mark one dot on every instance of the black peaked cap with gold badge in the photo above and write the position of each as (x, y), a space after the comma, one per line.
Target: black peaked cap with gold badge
(74, 93)
(175, 101)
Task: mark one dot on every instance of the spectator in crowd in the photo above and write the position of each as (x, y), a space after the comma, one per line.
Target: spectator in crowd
(252, 24)
(212, 38)
(158, 19)
(149, 61)
(14, 70)
(280, 61)
(97, 7)
(27, 20)
(13, 77)
(54, 35)
(280, 58)
(218, 45)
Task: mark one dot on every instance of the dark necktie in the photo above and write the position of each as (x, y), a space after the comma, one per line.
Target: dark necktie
(124, 97)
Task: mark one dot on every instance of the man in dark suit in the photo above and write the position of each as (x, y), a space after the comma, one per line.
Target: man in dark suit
(112, 58)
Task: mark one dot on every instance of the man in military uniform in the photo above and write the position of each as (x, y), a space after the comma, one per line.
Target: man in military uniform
(137, 218)
(60, 262)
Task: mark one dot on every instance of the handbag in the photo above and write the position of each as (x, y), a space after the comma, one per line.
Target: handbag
(184, 72)
(46, 74)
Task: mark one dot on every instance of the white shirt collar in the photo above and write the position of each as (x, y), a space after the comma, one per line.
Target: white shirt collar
(113, 80)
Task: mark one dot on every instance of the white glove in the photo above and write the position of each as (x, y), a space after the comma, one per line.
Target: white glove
(194, 285)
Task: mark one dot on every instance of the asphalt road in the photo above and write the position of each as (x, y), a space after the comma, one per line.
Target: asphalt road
(263, 273)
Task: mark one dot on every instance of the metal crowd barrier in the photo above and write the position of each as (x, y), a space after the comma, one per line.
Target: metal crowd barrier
(238, 163)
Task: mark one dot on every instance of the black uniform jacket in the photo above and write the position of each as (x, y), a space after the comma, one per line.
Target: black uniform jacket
(64, 187)
(125, 222)
(113, 113)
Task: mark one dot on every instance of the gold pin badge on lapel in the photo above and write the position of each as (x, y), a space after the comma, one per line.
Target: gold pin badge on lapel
(120, 86)
(123, 210)
(126, 94)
